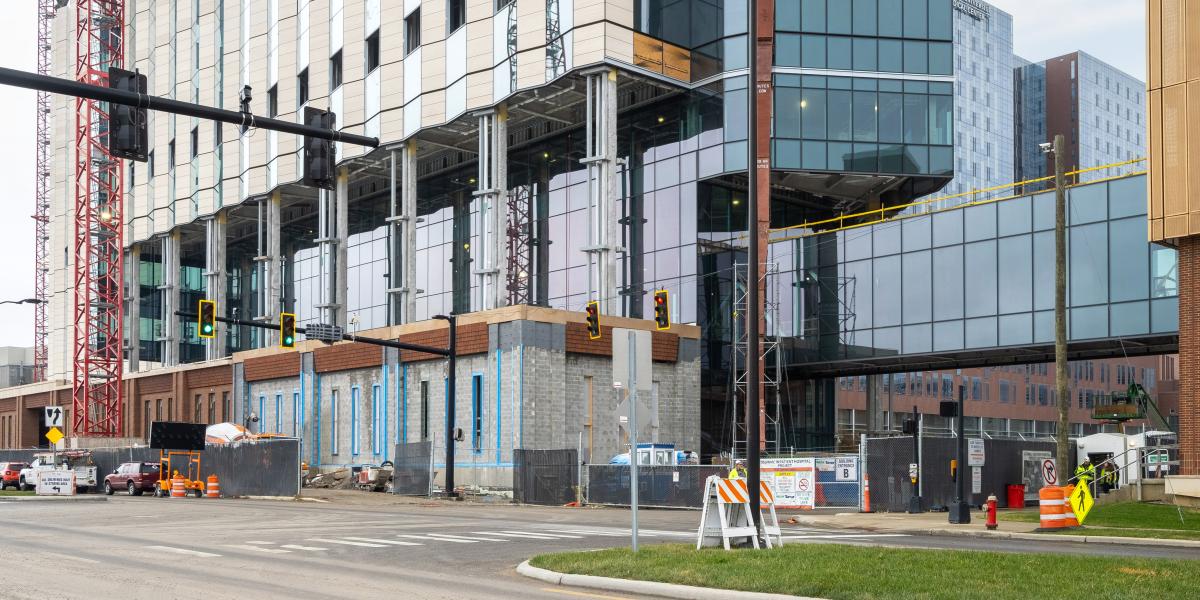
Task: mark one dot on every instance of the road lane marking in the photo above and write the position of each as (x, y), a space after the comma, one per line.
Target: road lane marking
(69, 557)
(426, 537)
(182, 551)
(379, 541)
(258, 549)
(584, 594)
(450, 537)
(589, 532)
(528, 536)
(308, 548)
(848, 536)
(347, 543)
(262, 543)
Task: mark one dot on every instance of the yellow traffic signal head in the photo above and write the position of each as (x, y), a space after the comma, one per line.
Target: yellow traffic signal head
(287, 330)
(206, 322)
(593, 319)
(662, 310)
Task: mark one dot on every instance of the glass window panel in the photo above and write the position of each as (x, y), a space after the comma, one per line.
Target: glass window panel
(1043, 211)
(1043, 327)
(891, 158)
(915, 288)
(1087, 273)
(916, 57)
(858, 274)
(941, 160)
(838, 109)
(916, 19)
(1164, 315)
(887, 290)
(1016, 274)
(940, 16)
(864, 159)
(1016, 329)
(736, 118)
(916, 233)
(787, 112)
(948, 283)
(734, 52)
(941, 58)
(1043, 270)
(891, 56)
(941, 120)
(865, 113)
(886, 239)
(979, 279)
(1164, 268)
(812, 51)
(1088, 323)
(813, 155)
(839, 53)
(916, 159)
(916, 119)
(837, 14)
(891, 18)
(787, 15)
(812, 15)
(812, 109)
(1130, 318)
(1014, 216)
(891, 109)
(980, 222)
(1130, 259)
(887, 341)
(1126, 197)
(735, 156)
(856, 243)
(947, 336)
(841, 156)
(838, 83)
(918, 338)
(787, 50)
(1087, 204)
(866, 54)
(864, 17)
(666, 264)
(981, 333)
(787, 154)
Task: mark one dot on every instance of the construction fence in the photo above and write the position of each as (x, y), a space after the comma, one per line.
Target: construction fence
(547, 477)
(412, 469)
(262, 468)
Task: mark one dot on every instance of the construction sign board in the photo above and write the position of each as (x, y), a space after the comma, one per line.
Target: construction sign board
(975, 454)
(55, 483)
(847, 469)
(793, 480)
(1081, 502)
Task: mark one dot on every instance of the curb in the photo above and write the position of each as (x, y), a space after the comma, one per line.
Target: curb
(650, 588)
(1076, 539)
(79, 498)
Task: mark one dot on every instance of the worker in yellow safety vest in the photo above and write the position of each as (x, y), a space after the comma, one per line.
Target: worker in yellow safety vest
(738, 471)
(1085, 472)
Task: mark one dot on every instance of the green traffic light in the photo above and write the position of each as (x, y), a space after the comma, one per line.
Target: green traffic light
(208, 329)
(287, 340)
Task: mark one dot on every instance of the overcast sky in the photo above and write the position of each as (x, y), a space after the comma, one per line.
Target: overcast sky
(1111, 30)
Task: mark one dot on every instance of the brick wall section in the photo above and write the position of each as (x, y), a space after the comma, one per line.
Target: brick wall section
(8, 404)
(1189, 355)
(472, 339)
(211, 377)
(276, 366)
(343, 357)
(158, 384)
(37, 400)
(664, 347)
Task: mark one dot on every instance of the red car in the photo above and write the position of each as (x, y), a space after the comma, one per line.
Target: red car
(10, 474)
(133, 477)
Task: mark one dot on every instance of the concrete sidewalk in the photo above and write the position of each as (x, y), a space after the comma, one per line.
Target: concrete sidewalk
(939, 524)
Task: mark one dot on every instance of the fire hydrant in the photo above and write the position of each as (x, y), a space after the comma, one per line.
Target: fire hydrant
(991, 512)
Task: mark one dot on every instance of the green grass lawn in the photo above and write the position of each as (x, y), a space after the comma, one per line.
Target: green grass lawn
(15, 493)
(1127, 519)
(842, 572)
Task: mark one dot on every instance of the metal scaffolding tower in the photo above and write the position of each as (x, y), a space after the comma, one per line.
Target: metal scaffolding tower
(520, 248)
(97, 242)
(41, 207)
(768, 350)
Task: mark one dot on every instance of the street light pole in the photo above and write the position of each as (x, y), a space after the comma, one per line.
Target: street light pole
(452, 320)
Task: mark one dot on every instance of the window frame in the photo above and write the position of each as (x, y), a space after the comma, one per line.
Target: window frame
(412, 31)
(455, 8)
(355, 398)
(371, 52)
(302, 88)
(335, 71)
(477, 393)
(334, 442)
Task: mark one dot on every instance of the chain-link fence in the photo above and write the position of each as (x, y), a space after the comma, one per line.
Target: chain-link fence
(412, 469)
(680, 486)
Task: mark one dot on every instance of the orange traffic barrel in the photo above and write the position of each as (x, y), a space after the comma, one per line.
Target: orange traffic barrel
(1050, 501)
(178, 490)
(213, 489)
(1069, 519)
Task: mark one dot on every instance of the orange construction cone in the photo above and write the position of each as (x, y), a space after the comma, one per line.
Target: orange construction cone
(866, 507)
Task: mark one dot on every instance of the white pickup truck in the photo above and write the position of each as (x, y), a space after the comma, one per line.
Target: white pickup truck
(81, 463)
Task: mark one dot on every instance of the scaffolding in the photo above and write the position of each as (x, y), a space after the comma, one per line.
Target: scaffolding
(41, 207)
(520, 250)
(98, 277)
(768, 350)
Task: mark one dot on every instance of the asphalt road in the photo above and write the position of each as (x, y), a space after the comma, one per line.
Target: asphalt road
(248, 549)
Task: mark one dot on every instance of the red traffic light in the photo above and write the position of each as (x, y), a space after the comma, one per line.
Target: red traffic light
(662, 311)
(592, 312)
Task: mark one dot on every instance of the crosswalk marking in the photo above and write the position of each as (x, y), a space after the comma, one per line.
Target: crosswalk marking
(527, 536)
(259, 543)
(426, 537)
(182, 551)
(263, 549)
(601, 533)
(347, 543)
(379, 541)
(449, 537)
(308, 548)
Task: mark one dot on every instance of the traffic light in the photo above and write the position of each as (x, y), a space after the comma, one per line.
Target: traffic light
(318, 153)
(127, 125)
(662, 310)
(287, 330)
(593, 320)
(207, 321)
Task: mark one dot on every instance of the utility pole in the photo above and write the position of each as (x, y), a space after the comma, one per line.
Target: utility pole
(452, 321)
(1060, 306)
(753, 298)
(960, 511)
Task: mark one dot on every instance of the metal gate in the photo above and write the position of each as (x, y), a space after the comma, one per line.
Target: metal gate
(545, 476)
(412, 469)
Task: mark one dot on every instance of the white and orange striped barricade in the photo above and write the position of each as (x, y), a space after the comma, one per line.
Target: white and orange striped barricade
(726, 514)
(766, 507)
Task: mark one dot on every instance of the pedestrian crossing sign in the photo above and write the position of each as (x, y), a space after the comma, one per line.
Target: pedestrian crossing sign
(1081, 502)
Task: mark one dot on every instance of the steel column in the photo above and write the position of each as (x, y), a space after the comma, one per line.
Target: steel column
(492, 185)
(169, 288)
(603, 214)
(215, 284)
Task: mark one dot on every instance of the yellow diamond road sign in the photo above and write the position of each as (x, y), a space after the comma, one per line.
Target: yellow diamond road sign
(1081, 502)
(54, 435)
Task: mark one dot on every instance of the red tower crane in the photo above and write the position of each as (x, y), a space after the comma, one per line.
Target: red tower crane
(97, 242)
(41, 210)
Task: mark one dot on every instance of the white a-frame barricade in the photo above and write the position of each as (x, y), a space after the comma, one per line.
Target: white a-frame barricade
(726, 515)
